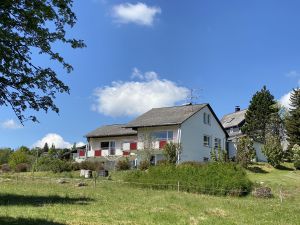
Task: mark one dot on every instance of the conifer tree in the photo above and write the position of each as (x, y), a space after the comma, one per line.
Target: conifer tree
(293, 119)
(258, 114)
(46, 147)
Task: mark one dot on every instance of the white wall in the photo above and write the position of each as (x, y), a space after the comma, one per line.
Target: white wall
(95, 144)
(192, 132)
(232, 146)
(258, 149)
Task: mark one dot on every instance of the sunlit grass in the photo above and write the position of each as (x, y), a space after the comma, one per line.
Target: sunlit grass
(115, 203)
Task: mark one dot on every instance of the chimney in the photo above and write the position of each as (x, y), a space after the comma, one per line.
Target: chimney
(237, 108)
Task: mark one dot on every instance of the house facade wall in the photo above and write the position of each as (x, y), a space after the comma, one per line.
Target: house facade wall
(120, 143)
(260, 157)
(193, 131)
(144, 133)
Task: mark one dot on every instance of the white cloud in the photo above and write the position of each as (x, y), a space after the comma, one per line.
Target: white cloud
(293, 73)
(57, 140)
(138, 13)
(11, 124)
(133, 98)
(285, 100)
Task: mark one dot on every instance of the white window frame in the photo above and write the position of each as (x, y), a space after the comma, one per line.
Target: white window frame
(206, 118)
(207, 143)
(109, 147)
(163, 139)
(217, 143)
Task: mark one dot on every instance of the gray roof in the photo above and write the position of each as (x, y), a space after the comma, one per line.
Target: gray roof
(233, 119)
(111, 130)
(165, 116)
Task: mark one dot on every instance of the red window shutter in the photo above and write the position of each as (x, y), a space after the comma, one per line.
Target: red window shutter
(81, 153)
(162, 144)
(125, 153)
(98, 153)
(133, 146)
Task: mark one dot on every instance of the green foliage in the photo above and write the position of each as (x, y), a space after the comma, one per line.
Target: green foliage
(296, 156)
(123, 164)
(45, 163)
(4, 155)
(46, 147)
(292, 122)
(273, 150)
(5, 168)
(28, 25)
(144, 165)
(218, 155)
(19, 156)
(258, 114)
(91, 165)
(22, 167)
(245, 151)
(171, 151)
(215, 178)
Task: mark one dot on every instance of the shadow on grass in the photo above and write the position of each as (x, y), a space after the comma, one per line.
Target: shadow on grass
(12, 199)
(281, 167)
(256, 169)
(26, 221)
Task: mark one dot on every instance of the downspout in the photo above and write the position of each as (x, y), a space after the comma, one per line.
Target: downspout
(178, 142)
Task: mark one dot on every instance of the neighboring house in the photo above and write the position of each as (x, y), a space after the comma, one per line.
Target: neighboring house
(195, 127)
(111, 142)
(233, 123)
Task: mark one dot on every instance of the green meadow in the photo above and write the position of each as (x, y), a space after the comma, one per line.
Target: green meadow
(38, 198)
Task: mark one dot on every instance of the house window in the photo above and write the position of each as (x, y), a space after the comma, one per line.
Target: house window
(206, 118)
(217, 143)
(110, 146)
(206, 141)
(162, 135)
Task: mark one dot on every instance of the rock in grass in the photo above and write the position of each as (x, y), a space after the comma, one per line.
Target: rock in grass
(262, 192)
(62, 181)
(81, 184)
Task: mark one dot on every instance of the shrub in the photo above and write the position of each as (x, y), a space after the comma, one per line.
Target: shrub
(18, 157)
(296, 156)
(75, 166)
(273, 151)
(123, 165)
(22, 167)
(59, 166)
(5, 168)
(4, 155)
(162, 162)
(210, 178)
(55, 165)
(245, 151)
(144, 165)
(90, 165)
(171, 151)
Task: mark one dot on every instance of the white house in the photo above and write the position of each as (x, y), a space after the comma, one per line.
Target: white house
(110, 142)
(195, 127)
(233, 123)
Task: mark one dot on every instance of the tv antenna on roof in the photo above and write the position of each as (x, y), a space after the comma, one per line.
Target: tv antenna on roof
(192, 97)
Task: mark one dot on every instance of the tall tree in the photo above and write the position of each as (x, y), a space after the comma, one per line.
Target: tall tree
(258, 114)
(27, 26)
(292, 123)
(46, 147)
(274, 136)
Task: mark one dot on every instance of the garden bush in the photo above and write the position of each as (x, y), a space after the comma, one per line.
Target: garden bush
(123, 165)
(22, 167)
(91, 165)
(210, 178)
(5, 168)
(55, 165)
(144, 165)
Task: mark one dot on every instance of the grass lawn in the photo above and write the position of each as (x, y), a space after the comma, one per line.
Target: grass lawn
(24, 200)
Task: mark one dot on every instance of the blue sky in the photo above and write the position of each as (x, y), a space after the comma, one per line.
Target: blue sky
(150, 53)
